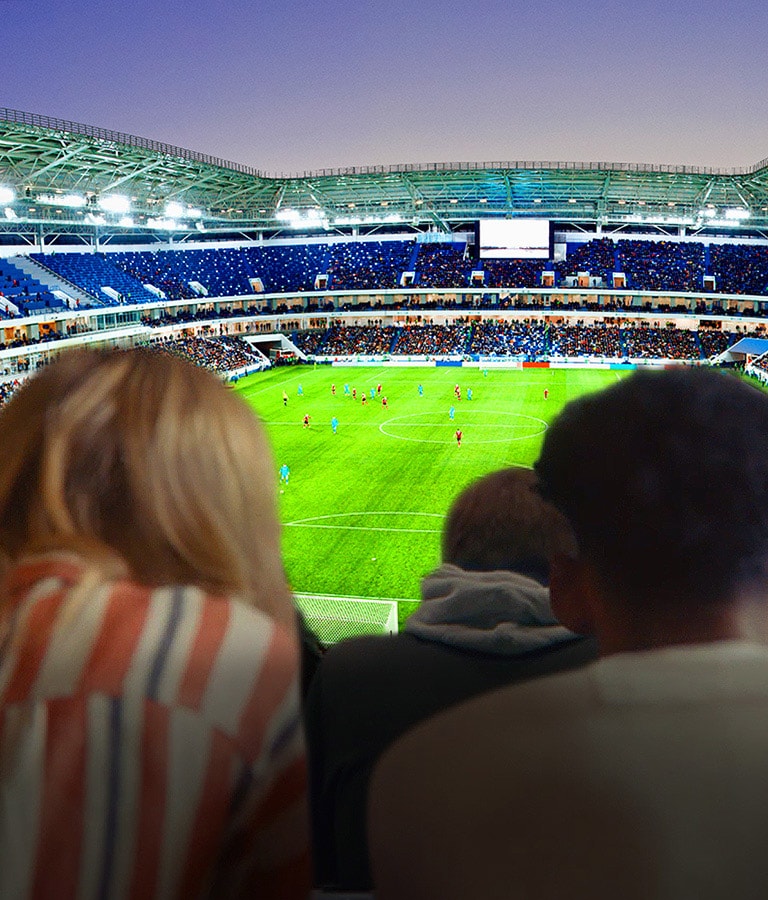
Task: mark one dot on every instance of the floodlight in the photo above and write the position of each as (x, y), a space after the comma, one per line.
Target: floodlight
(163, 224)
(72, 201)
(92, 219)
(193, 212)
(286, 215)
(738, 213)
(126, 222)
(174, 210)
(9, 213)
(115, 203)
(7, 194)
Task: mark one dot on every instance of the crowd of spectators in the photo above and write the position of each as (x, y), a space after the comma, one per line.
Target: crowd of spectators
(662, 265)
(533, 341)
(349, 340)
(367, 265)
(598, 257)
(431, 340)
(649, 265)
(512, 272)
(223, 354)
(443, 266)
(498, 338)
(582, 340)
(739, 269)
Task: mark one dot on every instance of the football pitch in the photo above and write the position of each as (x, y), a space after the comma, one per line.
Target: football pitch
(363, 508)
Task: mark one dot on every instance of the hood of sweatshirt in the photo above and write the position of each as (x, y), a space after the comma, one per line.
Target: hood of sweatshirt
(499, 612)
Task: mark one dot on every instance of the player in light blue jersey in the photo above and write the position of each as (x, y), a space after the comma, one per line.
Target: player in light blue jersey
(334, 424)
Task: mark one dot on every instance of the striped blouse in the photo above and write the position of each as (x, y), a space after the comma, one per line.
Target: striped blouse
(150, 742)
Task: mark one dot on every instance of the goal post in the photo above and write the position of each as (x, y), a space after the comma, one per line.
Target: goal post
(333, 619)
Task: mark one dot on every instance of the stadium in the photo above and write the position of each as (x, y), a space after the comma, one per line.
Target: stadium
(404, 332)
(509, 277)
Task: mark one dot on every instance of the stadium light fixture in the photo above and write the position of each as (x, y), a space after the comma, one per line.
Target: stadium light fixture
(737, 213)
(287, 215)
(173, 210)
(537, 199)
(7, 194)
(193, 212)
(115, 203)
(162, 224)
(126, 222)
(71, 201)
(92, 219)
(10, 214)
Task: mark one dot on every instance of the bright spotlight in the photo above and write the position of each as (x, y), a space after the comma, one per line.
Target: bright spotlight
(174, 210)
(7, 194)
(115, 203)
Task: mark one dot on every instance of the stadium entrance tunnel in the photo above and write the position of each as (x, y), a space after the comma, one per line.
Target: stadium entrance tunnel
(480, 426)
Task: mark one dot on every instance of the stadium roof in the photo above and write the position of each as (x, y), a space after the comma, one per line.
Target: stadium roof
(58, 176)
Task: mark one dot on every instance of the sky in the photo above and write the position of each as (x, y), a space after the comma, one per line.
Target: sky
(288, 87)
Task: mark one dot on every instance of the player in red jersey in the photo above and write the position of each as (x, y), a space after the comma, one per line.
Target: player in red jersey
(365, 398)
(378, 388)
(306, 420)
(459, 436)
(333, 389)
(546, 393)
(384, 403)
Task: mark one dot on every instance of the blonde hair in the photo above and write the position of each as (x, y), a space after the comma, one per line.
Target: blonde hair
(143, 459)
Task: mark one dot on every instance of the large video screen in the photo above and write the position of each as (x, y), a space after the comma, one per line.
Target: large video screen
(515, 239)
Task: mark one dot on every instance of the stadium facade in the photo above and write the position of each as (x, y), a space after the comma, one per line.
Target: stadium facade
(77, 193)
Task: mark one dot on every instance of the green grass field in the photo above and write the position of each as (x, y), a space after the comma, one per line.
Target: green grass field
(363, 508)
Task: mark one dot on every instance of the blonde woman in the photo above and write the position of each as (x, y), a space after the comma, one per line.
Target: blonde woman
(150, 742)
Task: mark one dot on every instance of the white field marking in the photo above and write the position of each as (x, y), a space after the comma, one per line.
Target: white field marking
(311, 521)
(453, 424)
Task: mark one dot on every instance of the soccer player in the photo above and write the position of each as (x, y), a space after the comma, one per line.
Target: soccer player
(306, 420)
(373, 393)
(452, 412)
(384, 403)
(300, 391)
(378, 388)
(285, 473)
(458, 436)
(365, 398)
(285, 399)
(469, 393)
(333, 389)
(421, 390)
(354, 393)
(346, 389)
(546, 393)
(334, 424)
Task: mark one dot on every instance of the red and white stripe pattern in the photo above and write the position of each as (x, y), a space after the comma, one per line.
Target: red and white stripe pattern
(150, 743)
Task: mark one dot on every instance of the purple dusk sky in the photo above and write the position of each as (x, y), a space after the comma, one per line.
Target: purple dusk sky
(289, 86)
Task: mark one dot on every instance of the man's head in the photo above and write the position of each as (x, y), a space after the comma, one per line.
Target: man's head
(664, 479)
(501, 522)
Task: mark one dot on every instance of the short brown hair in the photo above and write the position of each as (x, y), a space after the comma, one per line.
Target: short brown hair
(501, 522)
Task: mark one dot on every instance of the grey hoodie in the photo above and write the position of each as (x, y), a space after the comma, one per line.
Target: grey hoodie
(499, 612)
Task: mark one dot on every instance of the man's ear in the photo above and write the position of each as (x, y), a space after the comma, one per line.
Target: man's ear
(572, 593)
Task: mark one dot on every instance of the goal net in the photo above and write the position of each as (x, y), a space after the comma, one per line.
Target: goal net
(335, 618)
